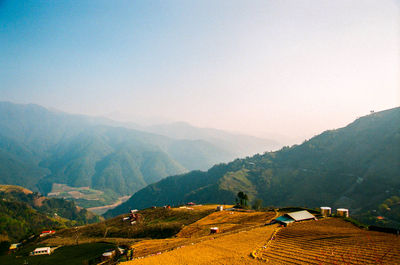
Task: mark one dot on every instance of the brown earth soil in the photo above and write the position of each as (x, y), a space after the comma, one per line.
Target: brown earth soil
(234, 228)
(233, 248)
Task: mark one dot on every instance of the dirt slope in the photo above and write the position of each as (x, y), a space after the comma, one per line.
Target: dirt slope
(233, 249)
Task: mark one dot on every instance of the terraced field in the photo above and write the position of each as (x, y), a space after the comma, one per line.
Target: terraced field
(228, 222)
(331, 241)
(232, 248)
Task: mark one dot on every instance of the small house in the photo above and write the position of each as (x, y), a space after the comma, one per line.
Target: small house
(220, 208)
(214, 230)
(41, 251)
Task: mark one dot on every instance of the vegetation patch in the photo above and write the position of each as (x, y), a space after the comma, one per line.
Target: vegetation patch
(155, 223)
(67, 255)
(23, 213)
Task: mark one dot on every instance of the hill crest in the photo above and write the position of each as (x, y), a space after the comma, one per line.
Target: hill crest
(353, 167)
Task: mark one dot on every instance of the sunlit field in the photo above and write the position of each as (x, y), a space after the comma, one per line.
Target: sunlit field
(331, 241)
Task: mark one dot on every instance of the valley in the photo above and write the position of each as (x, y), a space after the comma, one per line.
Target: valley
(95, 161)
(200, 132)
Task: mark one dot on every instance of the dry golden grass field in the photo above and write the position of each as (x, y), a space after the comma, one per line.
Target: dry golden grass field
(240, 234)
(331, 241)
(226, 221)
(232, 248)
(13, 188)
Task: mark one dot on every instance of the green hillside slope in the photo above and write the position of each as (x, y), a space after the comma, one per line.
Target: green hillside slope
(355, 167)
(39, 148)
(108, 158)
(23, 212)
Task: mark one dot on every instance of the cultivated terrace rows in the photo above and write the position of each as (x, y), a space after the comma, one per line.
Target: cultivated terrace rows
(232, 248)
(331, 241)
(227, 221)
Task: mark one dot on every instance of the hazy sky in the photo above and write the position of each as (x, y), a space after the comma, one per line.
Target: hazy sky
(293, 67)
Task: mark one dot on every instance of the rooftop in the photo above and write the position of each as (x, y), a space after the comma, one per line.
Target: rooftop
(301, 215)
(42, 249)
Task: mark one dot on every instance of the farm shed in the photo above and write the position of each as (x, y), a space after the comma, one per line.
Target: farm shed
(301, 216)
(285, 220)
(295, 217)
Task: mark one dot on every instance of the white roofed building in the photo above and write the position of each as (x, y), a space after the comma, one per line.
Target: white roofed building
(41, 251)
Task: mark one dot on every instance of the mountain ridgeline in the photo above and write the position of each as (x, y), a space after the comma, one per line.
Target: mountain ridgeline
(40, 147)
(242, 145)
(355, 167)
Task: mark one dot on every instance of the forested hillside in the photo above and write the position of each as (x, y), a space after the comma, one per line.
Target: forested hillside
(40, 147)
(355, 167)
(23, 212)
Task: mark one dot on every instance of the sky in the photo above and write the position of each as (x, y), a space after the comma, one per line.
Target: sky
(287, 67)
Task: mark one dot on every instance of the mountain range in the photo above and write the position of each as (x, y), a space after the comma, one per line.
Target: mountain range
(355, 167)
(238, 144)
(41, 147)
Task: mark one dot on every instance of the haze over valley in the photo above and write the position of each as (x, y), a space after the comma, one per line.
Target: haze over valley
(44, 148)
(199, 132)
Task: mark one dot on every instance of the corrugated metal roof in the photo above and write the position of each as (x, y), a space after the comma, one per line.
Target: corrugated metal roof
(42, 249)
(301, 215)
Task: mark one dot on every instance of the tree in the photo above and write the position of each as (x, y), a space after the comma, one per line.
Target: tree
(243, 198)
